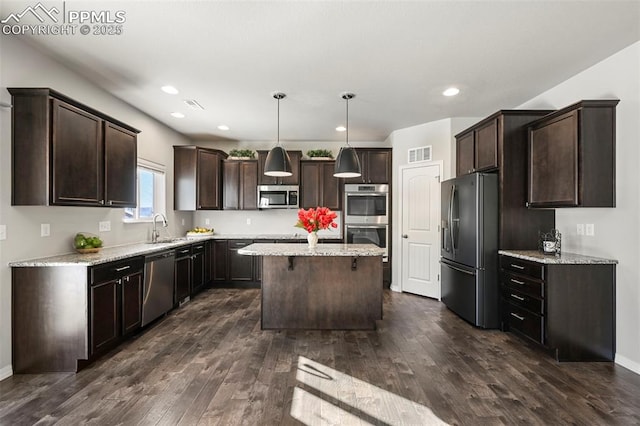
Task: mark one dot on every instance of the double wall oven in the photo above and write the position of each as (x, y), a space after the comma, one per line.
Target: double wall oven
(366, 215)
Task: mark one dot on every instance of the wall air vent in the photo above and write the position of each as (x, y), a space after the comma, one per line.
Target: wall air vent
(422, 153)
(193, 104)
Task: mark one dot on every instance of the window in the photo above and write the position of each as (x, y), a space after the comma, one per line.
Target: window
(151, 192)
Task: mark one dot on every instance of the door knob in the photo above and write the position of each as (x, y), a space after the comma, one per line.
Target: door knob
(405, 236)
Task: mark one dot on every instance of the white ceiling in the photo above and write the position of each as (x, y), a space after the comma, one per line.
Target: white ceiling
(397, 57)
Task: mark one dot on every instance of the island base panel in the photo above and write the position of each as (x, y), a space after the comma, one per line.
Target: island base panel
(326, 293)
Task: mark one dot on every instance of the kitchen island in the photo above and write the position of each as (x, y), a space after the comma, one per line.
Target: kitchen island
(329, 287)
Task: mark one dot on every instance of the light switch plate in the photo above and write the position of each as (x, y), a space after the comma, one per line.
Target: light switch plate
(45, 229)
(248, 221)
(580, 229)
(590, 229)
(3, 232)
(207, 222)
(182, 222)
(104, 226)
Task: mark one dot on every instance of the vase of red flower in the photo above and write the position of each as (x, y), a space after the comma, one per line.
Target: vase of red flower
(312, 239)
(313, 220)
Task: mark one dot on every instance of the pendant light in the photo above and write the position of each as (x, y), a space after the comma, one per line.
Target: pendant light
(278, 162)
(347, 163)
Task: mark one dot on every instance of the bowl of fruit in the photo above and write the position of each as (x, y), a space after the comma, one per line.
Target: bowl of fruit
(85, 242)
(199, 232)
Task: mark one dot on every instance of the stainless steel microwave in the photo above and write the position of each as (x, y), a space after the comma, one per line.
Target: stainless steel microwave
(366, 203)
(278, 196)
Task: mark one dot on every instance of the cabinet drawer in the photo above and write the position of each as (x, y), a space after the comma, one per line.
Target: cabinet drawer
(115, 270)
(533, 269)
(197, 248)
(182, 252)
(238, 244)
(527, 323)
(523, 300)
(523, 284)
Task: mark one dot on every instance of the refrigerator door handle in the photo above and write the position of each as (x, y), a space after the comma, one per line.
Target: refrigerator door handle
(451, 222)
(448, 265)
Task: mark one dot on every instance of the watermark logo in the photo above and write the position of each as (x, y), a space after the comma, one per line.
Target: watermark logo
(63, 19)
(33, 10)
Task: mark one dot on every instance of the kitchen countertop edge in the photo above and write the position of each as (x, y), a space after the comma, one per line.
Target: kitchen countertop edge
(354, 250)
(563, 259)
(115, 253)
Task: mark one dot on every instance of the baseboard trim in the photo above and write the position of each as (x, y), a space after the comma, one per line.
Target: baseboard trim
(6, 372)
(627, 363)
(395, 288)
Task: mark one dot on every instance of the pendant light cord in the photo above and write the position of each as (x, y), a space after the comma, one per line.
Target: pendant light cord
(347, 121)
(278, 121)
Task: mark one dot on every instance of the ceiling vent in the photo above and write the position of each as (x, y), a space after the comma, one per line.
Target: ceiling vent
(193, 104)
(422, 153)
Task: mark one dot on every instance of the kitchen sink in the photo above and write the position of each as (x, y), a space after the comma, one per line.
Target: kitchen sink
(167, 240)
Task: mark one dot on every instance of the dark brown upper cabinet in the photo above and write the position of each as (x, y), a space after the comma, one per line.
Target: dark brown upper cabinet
(66, 153)
(477, 149)
(571, 157)
(294, 179)
(375, 165)
(498, 143)
(318, 187)
(240, 185)
(197, 183)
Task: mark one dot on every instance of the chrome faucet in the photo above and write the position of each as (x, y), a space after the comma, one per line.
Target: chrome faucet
(155, 233)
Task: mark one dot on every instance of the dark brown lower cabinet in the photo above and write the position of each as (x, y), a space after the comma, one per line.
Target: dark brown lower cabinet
(567, 309)
(197, 267)
(182, 274)
(115, 302)
(241, 267)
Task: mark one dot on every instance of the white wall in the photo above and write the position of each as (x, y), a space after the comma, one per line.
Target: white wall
(617, 230)
(22, 66)
(441, 136)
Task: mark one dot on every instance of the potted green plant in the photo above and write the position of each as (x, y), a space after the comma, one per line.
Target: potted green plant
(320, 154)
(241, 154)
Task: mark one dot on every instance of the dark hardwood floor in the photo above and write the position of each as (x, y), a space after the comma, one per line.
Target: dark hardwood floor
(209, 363)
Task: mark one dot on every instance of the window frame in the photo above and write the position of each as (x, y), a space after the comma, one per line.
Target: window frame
(159, 192)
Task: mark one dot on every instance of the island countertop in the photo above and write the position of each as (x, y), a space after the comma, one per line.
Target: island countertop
(354, 250)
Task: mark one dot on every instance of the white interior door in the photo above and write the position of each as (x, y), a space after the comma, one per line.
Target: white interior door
(420, 230)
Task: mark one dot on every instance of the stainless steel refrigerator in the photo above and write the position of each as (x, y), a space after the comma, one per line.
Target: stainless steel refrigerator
(469, 248)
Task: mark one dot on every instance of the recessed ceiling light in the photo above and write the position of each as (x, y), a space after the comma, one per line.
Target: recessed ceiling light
(177, 114)
(341, 129)
(223, 127)
(451, 91)
(170, 90)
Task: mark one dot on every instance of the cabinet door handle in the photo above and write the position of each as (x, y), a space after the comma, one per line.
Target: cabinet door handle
(515, 296)
(517, 266)
(110, 202)
(517, 282)
(124, 268)
(199, 247)
(101, 202)
(521, 318)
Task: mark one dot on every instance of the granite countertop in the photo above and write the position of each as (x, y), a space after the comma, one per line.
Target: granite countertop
(356, 250)
(563, 258)
(111, 254)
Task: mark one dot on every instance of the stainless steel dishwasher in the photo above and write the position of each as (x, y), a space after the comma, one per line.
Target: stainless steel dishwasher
(158, 285)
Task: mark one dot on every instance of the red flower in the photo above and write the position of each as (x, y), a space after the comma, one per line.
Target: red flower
(315, 219)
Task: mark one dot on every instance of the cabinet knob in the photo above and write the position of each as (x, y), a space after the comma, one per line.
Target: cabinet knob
(110, 202)
(405, 236)
(102, 202)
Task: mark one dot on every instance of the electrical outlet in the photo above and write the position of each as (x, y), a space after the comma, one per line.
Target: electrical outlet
(104, 226)
(248, 221)
(207, 222)
(580, 229)
(45, 229)
(590, 229)
(3, 232)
